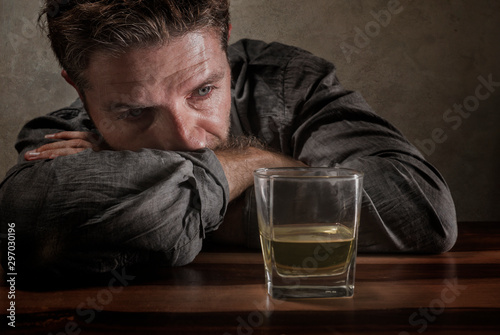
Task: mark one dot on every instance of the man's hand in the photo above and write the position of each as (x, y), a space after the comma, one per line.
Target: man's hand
(71, 142)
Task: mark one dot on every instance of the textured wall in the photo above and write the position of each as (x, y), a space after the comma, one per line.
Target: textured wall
(430, 67)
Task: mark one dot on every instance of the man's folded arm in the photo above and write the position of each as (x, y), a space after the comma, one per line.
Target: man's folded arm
(94, 212)
(407, 206)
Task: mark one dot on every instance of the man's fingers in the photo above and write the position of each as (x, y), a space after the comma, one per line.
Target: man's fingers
(87, 136)
(70, 142)
(69, 135)
(76, 143)
(50, 154)
(56, 149)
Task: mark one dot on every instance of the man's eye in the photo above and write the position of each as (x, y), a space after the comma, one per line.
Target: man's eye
(131, 114)
(204, 91)
(135, 112)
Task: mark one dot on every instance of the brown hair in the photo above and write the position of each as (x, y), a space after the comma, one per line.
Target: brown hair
(79, 28)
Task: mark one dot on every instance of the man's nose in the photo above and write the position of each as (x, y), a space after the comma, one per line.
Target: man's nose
(185, 131)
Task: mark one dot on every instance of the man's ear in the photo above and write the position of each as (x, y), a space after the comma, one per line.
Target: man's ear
(64, 74)
(229, 31)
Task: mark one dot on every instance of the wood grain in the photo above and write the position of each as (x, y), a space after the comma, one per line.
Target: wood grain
(223, 293)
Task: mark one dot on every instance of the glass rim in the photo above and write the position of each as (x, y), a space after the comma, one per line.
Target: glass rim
(275, 172)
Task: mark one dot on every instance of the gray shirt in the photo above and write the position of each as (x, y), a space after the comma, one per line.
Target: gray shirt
(94, 212)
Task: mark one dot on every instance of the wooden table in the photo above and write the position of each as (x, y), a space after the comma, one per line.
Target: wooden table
(223, 293)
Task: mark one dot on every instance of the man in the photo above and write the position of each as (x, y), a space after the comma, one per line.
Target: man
(176, 131)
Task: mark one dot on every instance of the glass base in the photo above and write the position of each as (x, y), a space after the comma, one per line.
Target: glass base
(296, 292)
(337, 285)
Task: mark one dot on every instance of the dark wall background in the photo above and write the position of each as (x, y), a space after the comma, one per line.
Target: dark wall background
(430, 67)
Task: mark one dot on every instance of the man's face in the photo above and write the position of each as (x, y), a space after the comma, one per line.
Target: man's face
(171, 97)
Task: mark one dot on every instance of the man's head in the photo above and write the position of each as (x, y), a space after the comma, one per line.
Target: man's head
(152, 73)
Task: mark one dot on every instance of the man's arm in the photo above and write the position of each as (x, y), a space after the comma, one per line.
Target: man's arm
(294, 101)
(407, 206)
(93, 212)
(239, 158)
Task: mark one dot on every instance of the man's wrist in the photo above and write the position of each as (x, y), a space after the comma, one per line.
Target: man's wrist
(241, 156)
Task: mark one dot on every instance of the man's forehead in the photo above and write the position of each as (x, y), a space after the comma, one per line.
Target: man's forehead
(159, 77)
(177, 60)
